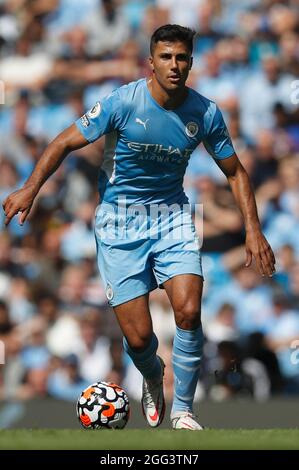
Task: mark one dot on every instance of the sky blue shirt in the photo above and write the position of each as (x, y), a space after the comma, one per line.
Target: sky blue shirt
(147, 147)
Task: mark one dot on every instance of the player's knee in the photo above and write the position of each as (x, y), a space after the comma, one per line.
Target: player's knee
(139, 342)
(188, 316)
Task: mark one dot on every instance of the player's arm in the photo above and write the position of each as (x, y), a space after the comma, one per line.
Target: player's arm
(21, 201)
(256, 243)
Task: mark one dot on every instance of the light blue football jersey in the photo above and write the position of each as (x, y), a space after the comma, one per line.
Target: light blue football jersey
(147, 147)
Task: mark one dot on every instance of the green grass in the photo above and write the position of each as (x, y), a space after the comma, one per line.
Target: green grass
(133, 439)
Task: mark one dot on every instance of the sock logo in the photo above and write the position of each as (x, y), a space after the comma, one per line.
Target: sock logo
(178, 381)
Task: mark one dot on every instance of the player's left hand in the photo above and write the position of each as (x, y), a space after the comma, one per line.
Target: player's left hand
(258, 247)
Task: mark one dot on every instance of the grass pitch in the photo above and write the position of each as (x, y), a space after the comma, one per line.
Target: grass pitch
(133, 439)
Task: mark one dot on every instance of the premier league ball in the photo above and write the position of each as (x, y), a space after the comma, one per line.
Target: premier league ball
(103, 405)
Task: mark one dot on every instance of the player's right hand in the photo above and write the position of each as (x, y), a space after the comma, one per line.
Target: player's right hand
(18, 202)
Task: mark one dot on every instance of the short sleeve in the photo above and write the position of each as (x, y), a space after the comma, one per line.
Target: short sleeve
(103, 118)
(217, 140)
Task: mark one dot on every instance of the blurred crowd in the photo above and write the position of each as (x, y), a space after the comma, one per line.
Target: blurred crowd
(57, 58)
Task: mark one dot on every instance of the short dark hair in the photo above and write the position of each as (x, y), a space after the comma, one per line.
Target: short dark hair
(172, 33)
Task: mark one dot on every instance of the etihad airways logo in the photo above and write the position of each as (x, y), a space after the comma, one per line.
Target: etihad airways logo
(158, 149)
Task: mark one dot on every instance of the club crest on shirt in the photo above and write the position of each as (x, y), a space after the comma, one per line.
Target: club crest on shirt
(109, 292)
(191, 129)
(95, 111)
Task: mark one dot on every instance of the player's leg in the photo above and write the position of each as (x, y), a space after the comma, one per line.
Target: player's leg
(123, 259)
(184, 292)
(136, 324)
(141, 345)
(177, 266)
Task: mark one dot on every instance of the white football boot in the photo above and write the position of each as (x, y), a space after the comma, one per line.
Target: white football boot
(153, 402)
(185, 420)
